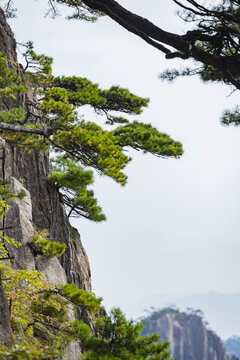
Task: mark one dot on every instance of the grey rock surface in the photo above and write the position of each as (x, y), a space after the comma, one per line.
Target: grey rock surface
(73, 351)
(7, 40)
(189, 337)
(41, 209)
(47, 211)
(52, 269)
(232, 346)
(19, 217)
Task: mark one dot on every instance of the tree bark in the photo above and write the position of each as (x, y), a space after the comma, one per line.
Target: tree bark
(20, 128)
(181, 46)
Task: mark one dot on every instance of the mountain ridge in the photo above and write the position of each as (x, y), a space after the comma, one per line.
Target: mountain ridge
(189, 337)
(221, 310)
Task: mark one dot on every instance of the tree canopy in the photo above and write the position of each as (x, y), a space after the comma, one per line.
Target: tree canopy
(51, 119)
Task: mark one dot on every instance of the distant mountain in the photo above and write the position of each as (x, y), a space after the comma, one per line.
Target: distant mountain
(222, 311)
(232, 346)
(189, 337)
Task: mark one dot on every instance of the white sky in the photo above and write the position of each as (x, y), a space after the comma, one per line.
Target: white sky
(175, 227)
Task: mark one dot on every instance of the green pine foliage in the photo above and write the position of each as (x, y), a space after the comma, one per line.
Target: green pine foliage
(120, 339)
(93, 147)
(73, 181)
(81, 91)
(82, 297)
(25, 351)
(45, 308)
(82, 331)
(217, 29)
(231, 117)
(11, 84)
(10, 116)
(79, 144)
(81, 13)
(48, 247)
(21, 194)
(217, 26)
(5, 191)
(144, 137)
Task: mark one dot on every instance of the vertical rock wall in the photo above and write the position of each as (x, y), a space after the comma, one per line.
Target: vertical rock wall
(189, 338)
(40, 210)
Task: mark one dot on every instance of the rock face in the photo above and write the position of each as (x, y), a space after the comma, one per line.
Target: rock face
(7, 41)
(40, 210)
(189, 338)
(232, 346)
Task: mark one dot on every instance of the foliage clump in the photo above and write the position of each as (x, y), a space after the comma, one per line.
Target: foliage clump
(73, 180)
(21, 194)
(88, 299)
(120, 339)
(25, 351)
(5, 196)
(48, 247)
(214, 38)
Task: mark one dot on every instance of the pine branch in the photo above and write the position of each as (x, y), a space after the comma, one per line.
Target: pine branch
(156, 36)
(20, 128)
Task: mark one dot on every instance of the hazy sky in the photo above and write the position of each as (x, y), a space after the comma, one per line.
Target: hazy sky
(175, 227)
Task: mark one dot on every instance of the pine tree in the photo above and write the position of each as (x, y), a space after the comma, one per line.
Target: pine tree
(79, 144)
(120, 339)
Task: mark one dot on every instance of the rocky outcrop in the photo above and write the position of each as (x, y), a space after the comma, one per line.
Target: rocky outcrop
(189, 337)
(232, 346)
(41, 209)
(7, 40)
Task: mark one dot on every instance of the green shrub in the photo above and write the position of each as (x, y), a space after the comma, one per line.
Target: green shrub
(83, 297)
(21, 194)
(48, 247)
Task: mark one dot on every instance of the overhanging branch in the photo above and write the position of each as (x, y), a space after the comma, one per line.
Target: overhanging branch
(22, 129)
(157, 37)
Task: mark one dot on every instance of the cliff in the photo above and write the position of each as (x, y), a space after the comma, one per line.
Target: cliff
(189, 337)
(232, 346)
(40, 210)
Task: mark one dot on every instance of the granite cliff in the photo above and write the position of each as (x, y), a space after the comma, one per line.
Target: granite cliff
(232, 346)
(41, 209)
(189, 337)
